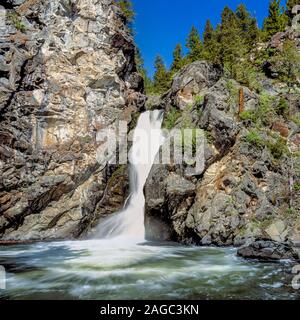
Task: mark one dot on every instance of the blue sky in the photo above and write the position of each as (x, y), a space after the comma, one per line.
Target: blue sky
(161, 24)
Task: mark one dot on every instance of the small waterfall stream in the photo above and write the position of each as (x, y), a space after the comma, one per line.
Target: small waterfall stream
(147, 139)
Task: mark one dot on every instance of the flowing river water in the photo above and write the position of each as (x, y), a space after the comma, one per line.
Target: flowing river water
(120, 264)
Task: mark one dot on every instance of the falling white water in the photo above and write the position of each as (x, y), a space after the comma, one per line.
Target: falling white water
(147, 139)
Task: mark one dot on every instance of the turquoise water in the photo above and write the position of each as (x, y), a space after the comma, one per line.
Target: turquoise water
(117, 269)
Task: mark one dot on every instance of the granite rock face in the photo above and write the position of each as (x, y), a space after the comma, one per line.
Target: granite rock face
(67, 70)
(247, 189)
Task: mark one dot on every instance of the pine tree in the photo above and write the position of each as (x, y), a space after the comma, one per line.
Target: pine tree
(208, 33)
(127, 9)
(232, 43)
(178, 59)
(211, 46)
(139, 60)
(142, 71)
(276, 20)
(161, 76)
(248, 25)
(195, 46)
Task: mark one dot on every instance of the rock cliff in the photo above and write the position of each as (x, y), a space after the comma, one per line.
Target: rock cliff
(67, 70)
(248, 189)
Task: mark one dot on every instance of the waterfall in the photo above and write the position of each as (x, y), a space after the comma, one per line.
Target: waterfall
(147, 139)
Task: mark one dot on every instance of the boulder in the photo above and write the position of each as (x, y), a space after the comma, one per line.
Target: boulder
(268, 250)
(277, 231)
(193, 80)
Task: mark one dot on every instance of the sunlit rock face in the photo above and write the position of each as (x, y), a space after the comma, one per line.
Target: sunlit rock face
(67, 70)
(245, 192)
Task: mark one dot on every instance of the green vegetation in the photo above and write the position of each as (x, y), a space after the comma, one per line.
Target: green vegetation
(275, 143)
(296, 119)
(291, 211)
(127, 9)
(254, 137)
(162, 77)
(288, 62)
(209, 137)
(187, 121)
(15, 18)
(198, 100)
(191, 141)
(296, 155)
(86, 139)
(232, 46)
(256, 224)
(248, 115)
(276, 20)
(233, 92)
(264, 114)
(120, 171)
(282, 107)
(143, 72)
(277, 148)
(195, 46)
(297, 187)
(178, 59)
(171, 117)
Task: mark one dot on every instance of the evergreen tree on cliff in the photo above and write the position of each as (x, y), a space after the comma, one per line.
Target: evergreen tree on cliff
(142, 70)
(276, 20)
(127, 9)
(178, 59)
(233, 44)
(195, 46)
(211, 45)
(208, 33)
(161, 77)
(248, 25)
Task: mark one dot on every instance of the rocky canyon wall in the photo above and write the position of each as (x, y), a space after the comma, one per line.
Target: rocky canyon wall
(67, 70)
(248, 189)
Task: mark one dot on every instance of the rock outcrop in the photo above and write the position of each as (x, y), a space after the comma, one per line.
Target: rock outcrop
(268, 250)
(67, 70)
(248, 189)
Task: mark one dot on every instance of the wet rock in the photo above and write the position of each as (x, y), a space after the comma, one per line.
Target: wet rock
(168, 198)
(268, 250)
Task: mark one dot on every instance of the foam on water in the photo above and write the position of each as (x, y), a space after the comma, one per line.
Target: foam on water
(112, 269)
